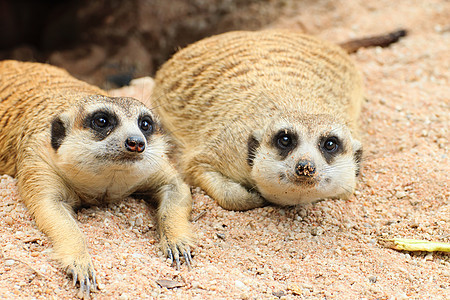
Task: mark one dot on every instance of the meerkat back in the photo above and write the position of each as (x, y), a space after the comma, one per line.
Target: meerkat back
(227, 74)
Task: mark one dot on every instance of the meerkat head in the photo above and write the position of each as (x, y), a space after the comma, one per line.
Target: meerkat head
(301, 159)
(107, 139)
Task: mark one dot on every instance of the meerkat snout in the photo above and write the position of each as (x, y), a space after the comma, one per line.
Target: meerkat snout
(135, 144)
(305, 169)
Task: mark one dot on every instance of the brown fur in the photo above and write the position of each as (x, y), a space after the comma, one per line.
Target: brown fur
(52, 182)
(216, 93)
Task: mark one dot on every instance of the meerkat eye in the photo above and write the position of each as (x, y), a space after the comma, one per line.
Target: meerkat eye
(331, 144)
(146, 124)
(285, 140)
(100, 120)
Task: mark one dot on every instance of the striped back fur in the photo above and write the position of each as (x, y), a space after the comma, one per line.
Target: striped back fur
(254, 75)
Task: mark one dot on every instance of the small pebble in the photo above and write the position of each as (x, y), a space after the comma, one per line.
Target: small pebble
(123, 297)
(400, 194)
(10, 262)
(220, 236)
(316, 231)
(302, 213)
(279, 294)
(8, 220)
(138, 221)
(240, 285)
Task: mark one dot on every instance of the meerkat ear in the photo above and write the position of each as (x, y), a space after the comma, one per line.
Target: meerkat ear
(357, 155)
(58, 132)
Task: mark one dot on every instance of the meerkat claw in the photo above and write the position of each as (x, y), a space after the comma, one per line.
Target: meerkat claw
(94, 281)
(85, 289)
(71, 272)
(177, 260)
(170, 255)
(188, 258)
(82, 290)
(176, 252)
(87, 282)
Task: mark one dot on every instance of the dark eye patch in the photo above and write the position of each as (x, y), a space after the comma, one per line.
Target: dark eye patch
(58, 133)
(285, 141)
(252, 146)
(358, 157)
(330, 147)
(101, 122)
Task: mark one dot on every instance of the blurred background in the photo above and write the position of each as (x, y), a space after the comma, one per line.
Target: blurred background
(109, 42)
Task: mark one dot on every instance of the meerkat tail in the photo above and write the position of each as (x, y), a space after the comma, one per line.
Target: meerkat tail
(373, 41)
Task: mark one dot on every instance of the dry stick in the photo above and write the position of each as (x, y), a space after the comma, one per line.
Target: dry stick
(416, 245)
(201, 214)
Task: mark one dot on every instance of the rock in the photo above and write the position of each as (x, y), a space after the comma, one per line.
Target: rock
(170, 284)
(240, 285)
(9, 262)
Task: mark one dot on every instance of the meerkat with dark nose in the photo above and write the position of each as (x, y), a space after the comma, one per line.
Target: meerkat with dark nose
(70, 144)
(263, 116)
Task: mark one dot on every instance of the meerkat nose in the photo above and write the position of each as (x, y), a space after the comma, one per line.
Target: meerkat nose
(305, 168)
(135, 144)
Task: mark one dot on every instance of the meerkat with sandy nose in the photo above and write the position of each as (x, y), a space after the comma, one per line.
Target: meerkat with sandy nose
(263, 116)
(70, 144)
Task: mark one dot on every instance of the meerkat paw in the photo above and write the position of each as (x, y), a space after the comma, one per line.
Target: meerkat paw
(82, 272)
(229, 194)
(239, 199)
(232, 195)
(176, 249)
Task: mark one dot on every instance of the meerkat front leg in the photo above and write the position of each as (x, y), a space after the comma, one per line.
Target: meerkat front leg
(50, 202)
(228, 193)
(174, 208)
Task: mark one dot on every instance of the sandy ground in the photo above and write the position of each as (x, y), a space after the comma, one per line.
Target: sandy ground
(329, 250)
